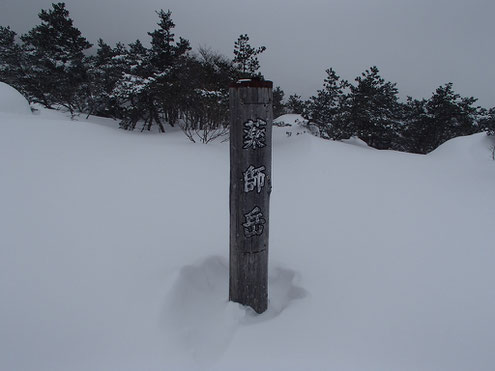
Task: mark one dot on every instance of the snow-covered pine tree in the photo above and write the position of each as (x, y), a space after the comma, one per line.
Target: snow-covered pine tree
(168, 78)
(151, 89)
(487, 121)
(11, 58)
(104, 71)
(55, 54)
(133, 89)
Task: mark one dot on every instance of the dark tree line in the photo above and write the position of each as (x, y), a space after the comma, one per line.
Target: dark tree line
(370, 109)
(167, 83)
(146, 86)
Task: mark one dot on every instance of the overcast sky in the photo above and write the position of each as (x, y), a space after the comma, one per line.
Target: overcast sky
(419, 44)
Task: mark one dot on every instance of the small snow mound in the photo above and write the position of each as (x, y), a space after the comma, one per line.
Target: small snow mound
(11, 101)
(476, 146)
(288, 120)
(355, 141)
(201, 319)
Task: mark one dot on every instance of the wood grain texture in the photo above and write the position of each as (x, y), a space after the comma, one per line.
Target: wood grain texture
(250, 106)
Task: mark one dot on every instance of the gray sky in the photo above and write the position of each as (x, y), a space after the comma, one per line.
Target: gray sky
(419, 44)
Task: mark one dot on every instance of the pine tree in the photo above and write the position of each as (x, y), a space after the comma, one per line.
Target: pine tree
(278, 102)
(451, 115)
(11, 58)
(105, 69)
(55, 54)
(415, 136)
(133, 90)
(326, 110)
(487, 121)
(295, 104)
(374, 111)
(446, 115)
(168, 79)
(155, 83)
(245, 57)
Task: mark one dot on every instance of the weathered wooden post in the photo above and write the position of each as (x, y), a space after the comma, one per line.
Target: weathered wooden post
(251, 119)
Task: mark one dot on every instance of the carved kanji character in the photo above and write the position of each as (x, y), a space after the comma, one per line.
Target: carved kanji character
(254, 223)
(254, 134)
(254, 178)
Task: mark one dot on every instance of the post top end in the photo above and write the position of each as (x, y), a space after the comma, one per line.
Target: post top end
(252, 83)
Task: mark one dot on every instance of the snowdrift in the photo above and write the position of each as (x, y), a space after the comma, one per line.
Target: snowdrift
(11, 101)
(114, 247)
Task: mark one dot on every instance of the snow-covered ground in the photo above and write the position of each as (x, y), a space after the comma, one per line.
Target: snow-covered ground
(114, 246)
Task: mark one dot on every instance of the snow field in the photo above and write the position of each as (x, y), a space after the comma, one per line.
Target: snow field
(114, 246)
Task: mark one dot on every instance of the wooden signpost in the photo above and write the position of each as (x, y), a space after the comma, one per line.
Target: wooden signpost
(251, 119)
